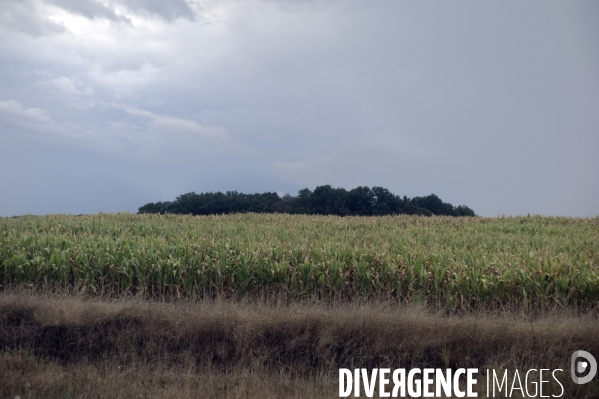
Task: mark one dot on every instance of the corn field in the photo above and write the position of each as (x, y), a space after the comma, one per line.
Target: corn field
(448, 263)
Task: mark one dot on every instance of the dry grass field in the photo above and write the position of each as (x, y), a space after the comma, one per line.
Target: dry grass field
(271, 306)
(54, 345)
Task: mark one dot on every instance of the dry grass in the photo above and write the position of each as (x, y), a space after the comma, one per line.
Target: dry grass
(28, 377)
(139, 348)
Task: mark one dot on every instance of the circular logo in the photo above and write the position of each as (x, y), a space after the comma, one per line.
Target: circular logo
(582, 362)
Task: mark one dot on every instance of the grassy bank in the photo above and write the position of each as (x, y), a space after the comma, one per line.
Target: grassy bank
(448, 263)
(129, 347)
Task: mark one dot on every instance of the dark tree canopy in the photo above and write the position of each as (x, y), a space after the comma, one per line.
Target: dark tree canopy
(324, 200)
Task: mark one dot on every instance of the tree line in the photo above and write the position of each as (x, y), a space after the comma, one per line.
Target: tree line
(324, 200)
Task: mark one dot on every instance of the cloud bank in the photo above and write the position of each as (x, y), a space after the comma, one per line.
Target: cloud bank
(109, 104)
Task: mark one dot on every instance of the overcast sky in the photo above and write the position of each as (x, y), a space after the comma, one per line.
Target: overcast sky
(106, 105)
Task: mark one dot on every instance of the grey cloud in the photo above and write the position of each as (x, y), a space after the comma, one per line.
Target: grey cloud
(156, 134)
(169, 123)
(18, 122)
(92, 9)
(88, 8)
(470, 101)
(400, 167)
(23, 16)
(15, 117)
(169, 10)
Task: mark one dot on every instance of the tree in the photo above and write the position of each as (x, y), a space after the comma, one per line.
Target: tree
(324, 200)
(361, 201)
(463, 210)
(386, 203)
(158, 207)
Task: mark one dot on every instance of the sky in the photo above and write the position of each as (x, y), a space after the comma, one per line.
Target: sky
(106, 105)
